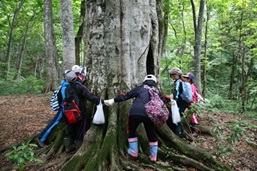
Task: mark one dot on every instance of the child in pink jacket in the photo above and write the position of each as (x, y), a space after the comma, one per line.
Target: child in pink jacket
(194, 125)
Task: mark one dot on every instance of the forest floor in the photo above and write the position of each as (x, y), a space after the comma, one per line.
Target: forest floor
(26, 115)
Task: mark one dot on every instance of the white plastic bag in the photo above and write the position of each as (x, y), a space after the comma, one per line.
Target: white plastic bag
(200, 99)
(99, 115)
(175, 113)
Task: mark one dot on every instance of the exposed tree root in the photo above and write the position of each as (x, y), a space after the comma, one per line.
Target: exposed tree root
(103, 150)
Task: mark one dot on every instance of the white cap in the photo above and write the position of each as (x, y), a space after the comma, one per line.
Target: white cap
(76, 68)
(150, 77)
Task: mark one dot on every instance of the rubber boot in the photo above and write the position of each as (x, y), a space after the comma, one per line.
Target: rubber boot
(68, 144)
(194, 125)
(153, 151)
(133, 147)
(194, 119)
(179, 129)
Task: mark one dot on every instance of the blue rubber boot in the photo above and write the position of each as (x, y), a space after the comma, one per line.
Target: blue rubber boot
(153, 151)
(133, 147)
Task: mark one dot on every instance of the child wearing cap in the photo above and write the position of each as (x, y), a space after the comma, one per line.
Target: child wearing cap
(80, 72)
(194, 125)
(74, 133)
(176, 75)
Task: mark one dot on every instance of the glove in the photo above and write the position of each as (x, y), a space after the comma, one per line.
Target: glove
(109, 102)
(172, 101)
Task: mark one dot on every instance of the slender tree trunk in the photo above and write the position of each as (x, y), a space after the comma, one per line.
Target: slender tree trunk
(51, 51)
(239, 51)
(12, 27)
(232, 75)
(205, 53)
(185, 34)
(243, 80)
(248, 75)
(197, 46)
(194, 16)
(67, 34)
(79, 36)
(22, 48)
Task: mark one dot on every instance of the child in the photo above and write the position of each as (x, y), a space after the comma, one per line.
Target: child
(194, 125)
(73, 131)
(176, 75)
(138, 115)
(80, 72)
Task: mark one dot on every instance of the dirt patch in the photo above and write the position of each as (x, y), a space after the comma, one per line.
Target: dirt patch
(26, 115)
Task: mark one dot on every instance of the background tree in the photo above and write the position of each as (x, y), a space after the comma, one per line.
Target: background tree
(51, 49)
(67, 34)
(12, 25)
(198, 27)
(79, 36)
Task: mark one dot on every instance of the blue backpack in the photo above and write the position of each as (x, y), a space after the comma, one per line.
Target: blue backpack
(186, 93)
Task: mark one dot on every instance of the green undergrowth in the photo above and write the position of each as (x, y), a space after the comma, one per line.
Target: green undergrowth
(29, 85)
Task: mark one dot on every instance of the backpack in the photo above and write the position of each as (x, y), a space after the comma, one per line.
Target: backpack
(186, 93)
(156, 110)
(72, 113)
(194, 93)
(55, 99)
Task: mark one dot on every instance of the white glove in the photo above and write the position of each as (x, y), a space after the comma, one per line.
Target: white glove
(172, 101)
(109, 102)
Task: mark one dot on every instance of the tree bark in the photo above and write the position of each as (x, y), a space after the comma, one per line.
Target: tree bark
(197, 46)
(205, 51)
(232, 75)
(67, 35)
(79, 36)
(9, 44)
(51, 50)
(22, 48)
(243, 80)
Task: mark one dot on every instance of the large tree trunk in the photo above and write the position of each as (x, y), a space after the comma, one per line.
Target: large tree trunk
(122, 46)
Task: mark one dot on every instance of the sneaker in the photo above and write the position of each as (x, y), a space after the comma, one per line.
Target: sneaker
(40, 143)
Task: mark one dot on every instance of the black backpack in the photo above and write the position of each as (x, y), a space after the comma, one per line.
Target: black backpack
(72, 111)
